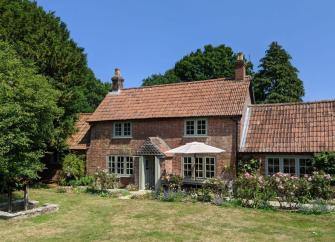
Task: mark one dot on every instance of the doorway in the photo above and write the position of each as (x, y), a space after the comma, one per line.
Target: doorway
(149, 172)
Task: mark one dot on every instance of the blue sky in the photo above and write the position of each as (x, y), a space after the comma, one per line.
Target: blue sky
(149, 36)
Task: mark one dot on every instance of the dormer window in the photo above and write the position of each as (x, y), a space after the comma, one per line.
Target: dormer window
(122, 130)
(195, 127)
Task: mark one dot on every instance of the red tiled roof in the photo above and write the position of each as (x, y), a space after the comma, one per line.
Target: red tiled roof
(218, 97)
(292, 127)
(79, 139)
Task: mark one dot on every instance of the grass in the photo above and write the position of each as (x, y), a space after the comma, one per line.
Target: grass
(86, 217)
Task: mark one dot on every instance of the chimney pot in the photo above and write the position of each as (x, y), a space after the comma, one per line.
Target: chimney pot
(240, 67)
(117, 81)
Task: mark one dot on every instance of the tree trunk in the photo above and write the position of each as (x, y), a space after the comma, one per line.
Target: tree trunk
(26, 197)
(10, 207)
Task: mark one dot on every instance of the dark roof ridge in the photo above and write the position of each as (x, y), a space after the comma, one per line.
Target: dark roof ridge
(188, 83)
(291, 103)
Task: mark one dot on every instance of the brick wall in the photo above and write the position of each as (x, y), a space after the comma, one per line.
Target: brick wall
(221, 134)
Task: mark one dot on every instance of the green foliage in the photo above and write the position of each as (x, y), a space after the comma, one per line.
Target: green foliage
(171, 196)
(250, 166)
(104, 180)
(173, 182)
(28, 111)
(321, 186)
(217, 186)
(318, 207)
(277, 80)
(43, 38)
(253, 191)
(208, 63)
(82, 181)
(73, 166)
(289, 189)
(325, 161)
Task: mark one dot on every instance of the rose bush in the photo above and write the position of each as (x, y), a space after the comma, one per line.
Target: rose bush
(253, 190)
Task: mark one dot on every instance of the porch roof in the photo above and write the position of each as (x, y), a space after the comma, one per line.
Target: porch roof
(154, 146)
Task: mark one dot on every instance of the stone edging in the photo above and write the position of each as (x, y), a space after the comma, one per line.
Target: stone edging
(46, 208)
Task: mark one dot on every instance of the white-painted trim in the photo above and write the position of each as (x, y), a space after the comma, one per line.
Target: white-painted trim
(141, 175)
(245, 127)
(195, 128)
(193, 167)
(281, 162)
(157, 173)
(125, 165)
(122, 136)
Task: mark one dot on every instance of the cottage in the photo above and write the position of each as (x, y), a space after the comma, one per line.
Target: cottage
(131, 130)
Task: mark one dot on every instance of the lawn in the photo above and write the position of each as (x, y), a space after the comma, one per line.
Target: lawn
(85, 217)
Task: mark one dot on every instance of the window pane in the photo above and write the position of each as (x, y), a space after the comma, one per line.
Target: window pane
(120, 165)
(113, 164)
(199, 167)
(130, 165)
(190, 127)
(127, 129)
(289, 166)
(210, 167)
(273, 166)
(305, 166)
(117, 129)
(187, 167)
(202, 127)
(109, 165)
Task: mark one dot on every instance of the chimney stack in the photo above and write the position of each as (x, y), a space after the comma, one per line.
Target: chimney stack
(240, 67)
(117, 81)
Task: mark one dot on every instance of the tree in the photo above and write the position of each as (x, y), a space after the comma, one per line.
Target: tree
(28, 111)
(211, 62)
(43, 38)
(73, 166)
(277, 80)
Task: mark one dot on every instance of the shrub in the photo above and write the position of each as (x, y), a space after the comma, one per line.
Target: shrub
(289, 189)
(325, 161)
(218, 187)
(171, 196)
(104, 180)
(132, 187)
(73, 166)
(173, 182)
(82, 181)
(320, 186)
(250, 166)
(253, 191)
(204, 195)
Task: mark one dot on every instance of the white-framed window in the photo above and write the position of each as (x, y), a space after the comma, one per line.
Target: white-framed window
(120, 165)
(122, 130)
(293, 165)
(187, 167)
(198, 167)
(195, 127)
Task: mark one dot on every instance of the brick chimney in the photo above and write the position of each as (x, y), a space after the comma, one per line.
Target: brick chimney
(240, 67)
(117, 81)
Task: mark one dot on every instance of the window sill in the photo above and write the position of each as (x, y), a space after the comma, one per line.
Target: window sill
(122, 137)
(195, 136)
(125, 176)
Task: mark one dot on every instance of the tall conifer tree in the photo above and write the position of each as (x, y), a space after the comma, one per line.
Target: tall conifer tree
(277, 80)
